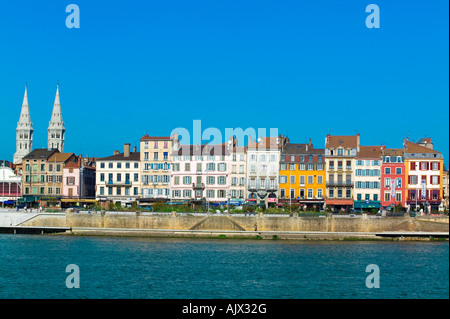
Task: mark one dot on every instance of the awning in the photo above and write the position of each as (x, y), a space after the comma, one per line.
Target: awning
(72, 200)
(339, 202)
(364, 204)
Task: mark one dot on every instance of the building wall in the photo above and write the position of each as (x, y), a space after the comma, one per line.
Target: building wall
(155, 168)
(109, 186)
(385, 192)
(306, 183)
(187, 170)
(263, 165)
(372, 180)
(71, 182)
(423, 169)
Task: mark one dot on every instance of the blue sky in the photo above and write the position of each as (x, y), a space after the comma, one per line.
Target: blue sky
(308, 68)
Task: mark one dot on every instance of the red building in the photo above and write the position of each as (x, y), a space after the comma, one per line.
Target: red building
(393, 178)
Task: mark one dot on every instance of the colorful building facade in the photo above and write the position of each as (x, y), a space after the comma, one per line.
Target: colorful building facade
(367, 177)
(302, 175)
(393, 180)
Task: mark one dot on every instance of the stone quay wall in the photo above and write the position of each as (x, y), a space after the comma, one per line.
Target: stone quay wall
(221, 222)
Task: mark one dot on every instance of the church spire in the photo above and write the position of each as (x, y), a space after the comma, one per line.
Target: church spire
(56, 128)
(25, 119)
(24, 131)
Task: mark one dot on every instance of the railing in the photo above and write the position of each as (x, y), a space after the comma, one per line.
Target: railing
(339, 183)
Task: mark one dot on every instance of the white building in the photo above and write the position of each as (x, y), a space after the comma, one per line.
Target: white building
(200, 174)
(10, 184)
(118, 177)
(263, 160)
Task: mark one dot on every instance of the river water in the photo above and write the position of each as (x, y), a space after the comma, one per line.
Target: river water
(34, 266)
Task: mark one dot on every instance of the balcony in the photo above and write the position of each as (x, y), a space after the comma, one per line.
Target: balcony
(118, 183)
(339, 183)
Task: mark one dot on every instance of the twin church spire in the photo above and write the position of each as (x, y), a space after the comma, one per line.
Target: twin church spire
(24, 130)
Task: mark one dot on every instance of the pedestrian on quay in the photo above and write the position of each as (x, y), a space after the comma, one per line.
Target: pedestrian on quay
(26, 211)
(256, 227)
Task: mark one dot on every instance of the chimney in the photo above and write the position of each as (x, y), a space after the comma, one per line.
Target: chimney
(126, 150)
(116, 152)
(134, 149)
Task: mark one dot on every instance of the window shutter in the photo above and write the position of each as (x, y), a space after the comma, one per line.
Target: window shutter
(439, 165)
(431, 179)
(428, 166)
(439, 180)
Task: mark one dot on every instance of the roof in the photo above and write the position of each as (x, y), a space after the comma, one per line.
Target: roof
(40, 153)
(60, 157)
(411, 147)
(370, 152)
(392, 152)
(274, 143)
(134, 156)
(296, 149)
(72, 165)
(334, 141)
(146, 137)
(205, 149)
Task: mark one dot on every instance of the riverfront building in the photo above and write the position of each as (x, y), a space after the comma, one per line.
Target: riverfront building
(117, 177)
(367, 178)
(263, 160)
(200, 174)
(238, 170)
(424, 169)
(78, 182)
(302, 175)
(393, 178)
(340, 154)
(156, 157)
(10, 183)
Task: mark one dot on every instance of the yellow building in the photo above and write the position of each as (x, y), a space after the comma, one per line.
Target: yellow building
(302, 176)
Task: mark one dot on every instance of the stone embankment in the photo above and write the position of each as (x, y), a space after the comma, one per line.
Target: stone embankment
(240, 226)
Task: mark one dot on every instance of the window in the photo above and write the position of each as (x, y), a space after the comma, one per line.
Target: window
(331, 193)
(434, 180)
(310, 167)
(310, 179)
(340, 151)
(302, 180)
(292, 179)
(301, 167)
(339, 193)
(423, 166)
(119, 191)
(359, 163)
(434, 166)
(222, 180)
(387, 170)
(319, 193)
(166, 144)
(187, 193)
(339, 165)
(135, 191)
(262, 158)
(398, 197)
(165, 156)
(412, 179)
(349, 193)
(292, 167)
(119, 177)
(110, 165)
(187, 167)
(283, 179)
(398, 183)
(155, 155)
(282, 193)
(320, 167)
(187, 180)
(136, 165)
(349, 164)
(359, 196)
(211, 180)
(310, 193)
(319, 179)
(210, 193)
(387, 182)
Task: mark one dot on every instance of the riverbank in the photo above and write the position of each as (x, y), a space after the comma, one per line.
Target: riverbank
(258, 235)
(261, 226)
